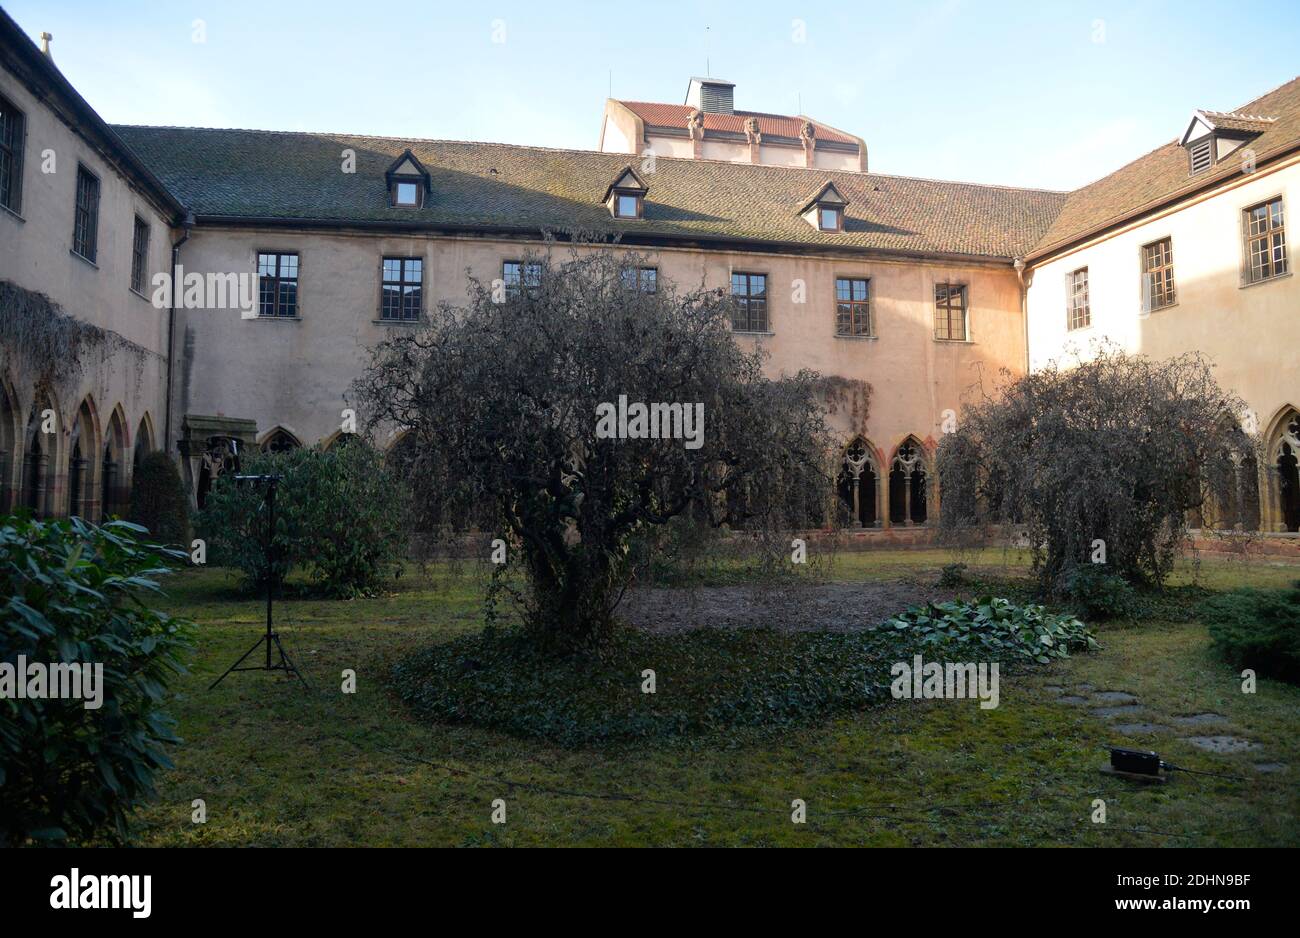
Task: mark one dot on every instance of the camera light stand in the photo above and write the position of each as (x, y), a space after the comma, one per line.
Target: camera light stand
(271, 639)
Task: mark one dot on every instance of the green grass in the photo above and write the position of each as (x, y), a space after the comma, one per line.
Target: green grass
(280, 766)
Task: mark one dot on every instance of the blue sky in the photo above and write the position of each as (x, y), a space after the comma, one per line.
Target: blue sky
(1051, 94)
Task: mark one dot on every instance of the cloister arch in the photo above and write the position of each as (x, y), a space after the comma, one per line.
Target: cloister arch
(39, 472)
(143, 442)
(337, 439)
(279, 440)
(114, 477)
(1232, 487)
(910, 483)
(400, 451)
(10, 452)
(84, 467)
(859, 485)
(1281, 508)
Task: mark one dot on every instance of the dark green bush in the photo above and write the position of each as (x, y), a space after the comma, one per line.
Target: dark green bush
(1100, 594)
(341, 515)
(158, 499)
(952, 576)
(75, 594)
(1258, 629)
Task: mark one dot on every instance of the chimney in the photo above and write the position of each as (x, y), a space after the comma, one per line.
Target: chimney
(45, 45)
(711, 95)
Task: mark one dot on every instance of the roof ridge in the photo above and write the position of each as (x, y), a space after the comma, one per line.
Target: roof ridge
(1237, 115)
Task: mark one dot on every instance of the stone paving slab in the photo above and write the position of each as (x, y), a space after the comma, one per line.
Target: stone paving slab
(1222, 743)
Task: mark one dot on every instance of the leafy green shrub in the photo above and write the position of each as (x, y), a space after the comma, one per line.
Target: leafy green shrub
(339, 514)
(1258, 629)
(989, 629)
(74, 595)
(158, 500)
(952, 576)
(1099, 593)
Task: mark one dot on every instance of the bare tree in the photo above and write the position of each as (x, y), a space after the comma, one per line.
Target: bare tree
(1103, 460)
(523, 416)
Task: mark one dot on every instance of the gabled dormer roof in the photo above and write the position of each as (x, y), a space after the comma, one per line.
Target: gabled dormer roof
(1228, 123)
(626, 181)
(407, 167)
(825, 194)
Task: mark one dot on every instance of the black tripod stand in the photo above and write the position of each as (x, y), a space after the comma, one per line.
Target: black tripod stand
(285, 663)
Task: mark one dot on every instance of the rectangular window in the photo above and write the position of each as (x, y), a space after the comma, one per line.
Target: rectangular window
(85, 227)
(1265, 241)
(950, 311)
(1158, 275)
(277, 284)
(852, 306)
(406, 193)
(519, 276)
(403, 288)
(628, 206)
(829, 219)
(1079, 313)
(749, 291)
(645, 279)
(139, 255)
(12, 127)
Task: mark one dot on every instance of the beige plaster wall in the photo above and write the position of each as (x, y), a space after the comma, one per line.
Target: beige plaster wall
(295, 373)
(1247, 331)
(35, 253)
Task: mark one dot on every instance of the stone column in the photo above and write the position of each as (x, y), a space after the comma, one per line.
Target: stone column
(108, 490)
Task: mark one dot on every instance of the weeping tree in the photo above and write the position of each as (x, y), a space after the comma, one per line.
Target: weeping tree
(570, 410)
(1106, 459)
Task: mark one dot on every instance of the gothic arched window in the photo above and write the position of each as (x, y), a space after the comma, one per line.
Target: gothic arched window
(281, 441)
(907, 485)
(858, 484)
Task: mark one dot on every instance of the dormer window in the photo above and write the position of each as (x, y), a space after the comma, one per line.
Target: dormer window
(628, 206)
(625, 196)
(408, 182)
(1212, 136)
(825, 210)
(406, 193)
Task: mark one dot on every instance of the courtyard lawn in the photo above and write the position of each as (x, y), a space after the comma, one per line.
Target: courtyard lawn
(276, 765)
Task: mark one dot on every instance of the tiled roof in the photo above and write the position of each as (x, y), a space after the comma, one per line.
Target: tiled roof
(1163, 174)
(779, 125)
(1251, 123)
(281, 175)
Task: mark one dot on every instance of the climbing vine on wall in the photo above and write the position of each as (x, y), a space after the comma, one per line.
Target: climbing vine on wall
(851, 396)
(51, 349)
